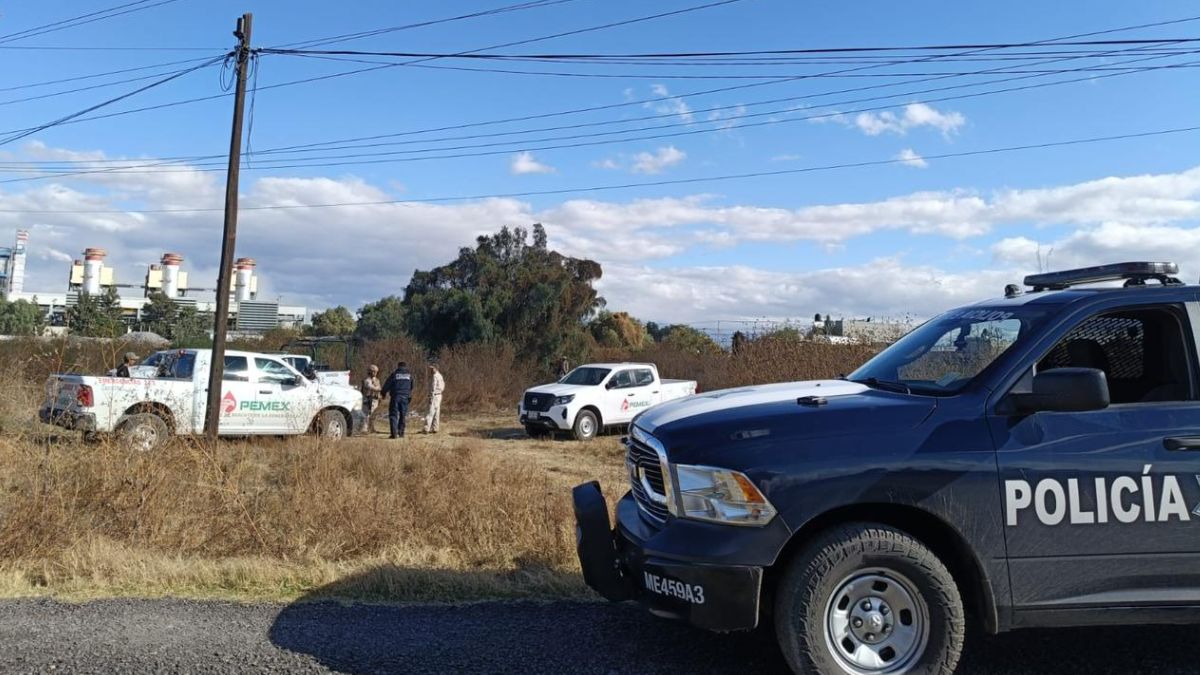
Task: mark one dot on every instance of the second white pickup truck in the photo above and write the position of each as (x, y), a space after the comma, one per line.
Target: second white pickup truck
(595, 396)
(260, 394)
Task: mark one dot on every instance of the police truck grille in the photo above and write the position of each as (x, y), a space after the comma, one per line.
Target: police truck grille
(643, 461)
(538, 402)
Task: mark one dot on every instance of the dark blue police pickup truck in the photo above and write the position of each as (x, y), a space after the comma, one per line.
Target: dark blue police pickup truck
(1027, 461)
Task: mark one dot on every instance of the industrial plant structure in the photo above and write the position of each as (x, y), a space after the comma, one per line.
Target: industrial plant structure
(90, 276)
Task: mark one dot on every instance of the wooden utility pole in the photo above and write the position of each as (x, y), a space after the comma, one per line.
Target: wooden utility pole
(212, 412)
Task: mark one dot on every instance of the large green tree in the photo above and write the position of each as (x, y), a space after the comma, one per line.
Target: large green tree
(618, 329)
(333, 321)
(21, 317)
(97, 315)
(506, 287)
(381, 320)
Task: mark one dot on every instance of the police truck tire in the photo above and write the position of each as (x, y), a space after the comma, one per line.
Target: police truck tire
(144, 431)
(332, 425)
(586, 426)
(869, 598)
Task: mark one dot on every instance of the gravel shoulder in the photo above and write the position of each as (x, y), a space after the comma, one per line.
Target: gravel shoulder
(524, 637)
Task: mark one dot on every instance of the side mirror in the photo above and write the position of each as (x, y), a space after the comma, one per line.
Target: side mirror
(1064, 390)
(293, 382)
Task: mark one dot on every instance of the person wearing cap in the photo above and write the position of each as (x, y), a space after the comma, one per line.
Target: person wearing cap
(437, 384)
(398, 388)
(123, 369)
(372, 390)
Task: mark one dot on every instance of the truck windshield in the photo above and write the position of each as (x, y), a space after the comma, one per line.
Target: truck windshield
(586, 376)
(945, 353)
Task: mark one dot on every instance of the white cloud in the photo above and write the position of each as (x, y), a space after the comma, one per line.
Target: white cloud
(669, 105)
(884, 288)
(607, 163)
(909, 157)
(646, 162)
(915, 115)
(378, 246)
(1107, 242)
(524, 163)
(787, 157)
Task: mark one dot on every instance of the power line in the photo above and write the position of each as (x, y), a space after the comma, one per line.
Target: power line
(316, 162)
(347, 37)
(706, 92)
(688, 55)
(77, 78)
(67, 118)
(318, 78)
(625, 186)
(83, 19)
(124, 166)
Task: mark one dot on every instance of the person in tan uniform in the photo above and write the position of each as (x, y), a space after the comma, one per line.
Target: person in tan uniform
(437, 384)
(371, 392)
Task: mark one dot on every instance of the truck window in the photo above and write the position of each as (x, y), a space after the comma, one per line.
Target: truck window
(588, 377)
(1143, 353)
(643, 377)
(945, 353)
(180, 366)
(237, 369)
(623, 379)
(274, 372)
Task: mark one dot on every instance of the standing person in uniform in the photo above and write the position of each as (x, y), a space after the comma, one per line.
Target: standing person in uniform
(399, 390)
(372, 390)
(123, 369)
(564, 367)
(437, 384)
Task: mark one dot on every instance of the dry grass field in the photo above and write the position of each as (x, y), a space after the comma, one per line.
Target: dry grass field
(476, 512)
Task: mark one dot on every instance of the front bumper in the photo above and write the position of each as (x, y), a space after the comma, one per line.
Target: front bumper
(557, 418)
(616, 564)
(68, 419)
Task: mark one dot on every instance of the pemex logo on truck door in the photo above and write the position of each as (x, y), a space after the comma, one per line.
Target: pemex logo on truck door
(229, 403)
(1124, 499)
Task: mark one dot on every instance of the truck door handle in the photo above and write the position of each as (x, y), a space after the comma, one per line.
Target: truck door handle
(654, 392)
(631, 394)
(265, 391)
(1182, 444)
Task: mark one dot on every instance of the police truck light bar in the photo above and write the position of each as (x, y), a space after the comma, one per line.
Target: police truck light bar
(1133, 272)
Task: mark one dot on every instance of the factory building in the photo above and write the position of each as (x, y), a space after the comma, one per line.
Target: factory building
(89, 275)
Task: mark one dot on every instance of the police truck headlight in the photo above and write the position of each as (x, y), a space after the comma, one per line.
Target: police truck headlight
(563, 400)
(717, 495)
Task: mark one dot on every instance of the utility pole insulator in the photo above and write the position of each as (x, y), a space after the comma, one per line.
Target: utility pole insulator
(212, 411)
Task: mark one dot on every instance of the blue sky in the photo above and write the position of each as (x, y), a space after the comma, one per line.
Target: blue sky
(904, 238)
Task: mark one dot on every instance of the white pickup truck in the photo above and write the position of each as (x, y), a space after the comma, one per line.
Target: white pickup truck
(260, 394)
(595, 396)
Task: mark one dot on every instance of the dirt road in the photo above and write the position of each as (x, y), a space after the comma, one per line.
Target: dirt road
(580, 638)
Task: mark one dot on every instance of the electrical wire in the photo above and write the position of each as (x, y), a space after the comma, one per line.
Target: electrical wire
(688, 55)
(84, 19)
(318, 162)
(319, 78)
(66, 118)
(347, 37)
(642, 184)
(124, 166)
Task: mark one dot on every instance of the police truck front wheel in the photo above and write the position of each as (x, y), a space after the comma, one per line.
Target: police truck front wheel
(586, 426)
(869, 599)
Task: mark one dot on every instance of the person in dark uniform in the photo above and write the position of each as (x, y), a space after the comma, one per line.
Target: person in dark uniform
(398, 389)
(123, 369)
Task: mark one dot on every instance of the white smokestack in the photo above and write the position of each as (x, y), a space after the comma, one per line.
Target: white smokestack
(244, 267)
(93, 263)
(170, 274)
(16, 264)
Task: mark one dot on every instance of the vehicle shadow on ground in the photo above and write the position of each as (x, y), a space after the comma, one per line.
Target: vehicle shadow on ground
(502, 636)
(597, 637)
